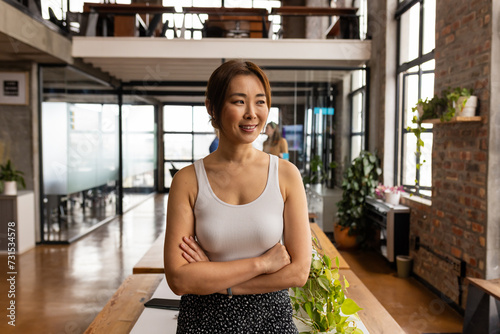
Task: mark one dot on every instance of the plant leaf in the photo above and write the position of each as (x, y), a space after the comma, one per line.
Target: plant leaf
(350, 307)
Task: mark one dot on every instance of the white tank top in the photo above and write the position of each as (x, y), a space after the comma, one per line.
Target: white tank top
(230, 232)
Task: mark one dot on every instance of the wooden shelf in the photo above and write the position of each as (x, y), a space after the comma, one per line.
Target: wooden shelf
(455, 119)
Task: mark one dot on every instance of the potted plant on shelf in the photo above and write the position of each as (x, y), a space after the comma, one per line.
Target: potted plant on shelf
(425, 110)
(359, 181)
(390, 194)
(11, 177)
(321, 304)
(461, 102)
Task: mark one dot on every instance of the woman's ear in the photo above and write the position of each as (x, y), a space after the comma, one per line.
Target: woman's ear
(209, 108)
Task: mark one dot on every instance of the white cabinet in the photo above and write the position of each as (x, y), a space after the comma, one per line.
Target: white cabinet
(322, 201)
(18, 213)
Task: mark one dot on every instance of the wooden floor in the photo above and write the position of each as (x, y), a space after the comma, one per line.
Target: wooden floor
(60, 289)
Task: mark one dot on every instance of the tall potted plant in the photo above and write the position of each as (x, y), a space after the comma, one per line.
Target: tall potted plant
(360, 180)
(10, 178)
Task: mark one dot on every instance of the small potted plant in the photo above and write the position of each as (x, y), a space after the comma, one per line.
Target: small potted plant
(461, 102)
(390, 194)
(11, 177)
(321, 304)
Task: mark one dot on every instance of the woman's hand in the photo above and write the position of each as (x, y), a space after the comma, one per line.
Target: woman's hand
(192, 251)
(275, 258)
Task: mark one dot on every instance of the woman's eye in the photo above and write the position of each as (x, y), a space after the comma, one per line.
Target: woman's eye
(261, 102)
(239, 102)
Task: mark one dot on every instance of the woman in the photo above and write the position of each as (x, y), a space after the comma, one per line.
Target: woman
(275, 144)
(227, 214)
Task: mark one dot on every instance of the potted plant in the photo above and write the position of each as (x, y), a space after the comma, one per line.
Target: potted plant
(428, 109)
(11, 177)
(317, 171)
(461, 102)
(390, 194)
(359, 181)
(321, 304)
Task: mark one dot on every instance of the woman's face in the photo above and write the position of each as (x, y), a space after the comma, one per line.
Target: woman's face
(245, 111)
(269, 130)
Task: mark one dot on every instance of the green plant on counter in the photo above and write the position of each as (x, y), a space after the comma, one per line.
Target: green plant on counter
(360, 181)
(323, 299)
(9, 173)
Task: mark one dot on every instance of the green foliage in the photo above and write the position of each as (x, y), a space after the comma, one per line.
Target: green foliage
(318, 172)
(452, 97)
(323, 299)
(8, 173)
(437, 107)
(360, 180)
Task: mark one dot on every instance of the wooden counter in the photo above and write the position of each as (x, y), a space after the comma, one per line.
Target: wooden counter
(124, 308)
(126, 305)
(373, 314)
(152, 261)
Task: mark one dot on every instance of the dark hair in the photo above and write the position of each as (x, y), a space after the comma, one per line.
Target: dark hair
(218, 83)
(275, 138)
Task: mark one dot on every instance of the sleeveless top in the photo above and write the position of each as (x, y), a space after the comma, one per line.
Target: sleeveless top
(228, 232)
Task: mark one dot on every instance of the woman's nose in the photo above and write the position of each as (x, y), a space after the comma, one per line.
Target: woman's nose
(250, 113)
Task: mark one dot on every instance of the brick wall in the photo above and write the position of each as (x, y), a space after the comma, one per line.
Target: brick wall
(455, 225)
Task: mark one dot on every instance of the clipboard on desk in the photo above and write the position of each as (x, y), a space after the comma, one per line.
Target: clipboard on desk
(163, 303)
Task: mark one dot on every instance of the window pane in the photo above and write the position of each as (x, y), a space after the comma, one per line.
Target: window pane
(427, 86)
(429, 25)
(201, 120)
(408, 41)
(409, 160)
(430, 65)
(357, 112)
(357, 145)
(178, 147)
(178, 118)
(426, 160)
(410, 98)
(201, 145)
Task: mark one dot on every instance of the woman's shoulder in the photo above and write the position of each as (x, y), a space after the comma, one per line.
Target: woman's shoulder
(287, 169)
(185, 180)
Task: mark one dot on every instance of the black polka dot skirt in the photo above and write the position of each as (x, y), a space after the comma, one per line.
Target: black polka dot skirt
(243, 314)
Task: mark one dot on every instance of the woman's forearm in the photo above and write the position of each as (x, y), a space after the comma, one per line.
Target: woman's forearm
(203, 278)
(292, 275)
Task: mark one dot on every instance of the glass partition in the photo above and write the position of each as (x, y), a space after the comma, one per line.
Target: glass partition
(80, 167)
(139, 153)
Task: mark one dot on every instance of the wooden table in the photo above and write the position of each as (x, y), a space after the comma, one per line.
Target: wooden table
(152, 261)
(373, 314)
(483, 304)
(124, 308)
(326, 246)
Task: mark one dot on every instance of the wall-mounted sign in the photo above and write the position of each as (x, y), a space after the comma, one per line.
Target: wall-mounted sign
(324, 111)
(14, 88)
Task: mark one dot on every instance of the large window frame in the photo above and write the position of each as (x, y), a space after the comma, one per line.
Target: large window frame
(411, 64)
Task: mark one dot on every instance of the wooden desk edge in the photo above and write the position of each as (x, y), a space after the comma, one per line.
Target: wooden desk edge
(327, 246)
(373, 314)
(126, 305)
(491, 287)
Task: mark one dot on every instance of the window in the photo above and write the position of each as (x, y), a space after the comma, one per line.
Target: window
(415, 80)
(188, 133)
(357, 98)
